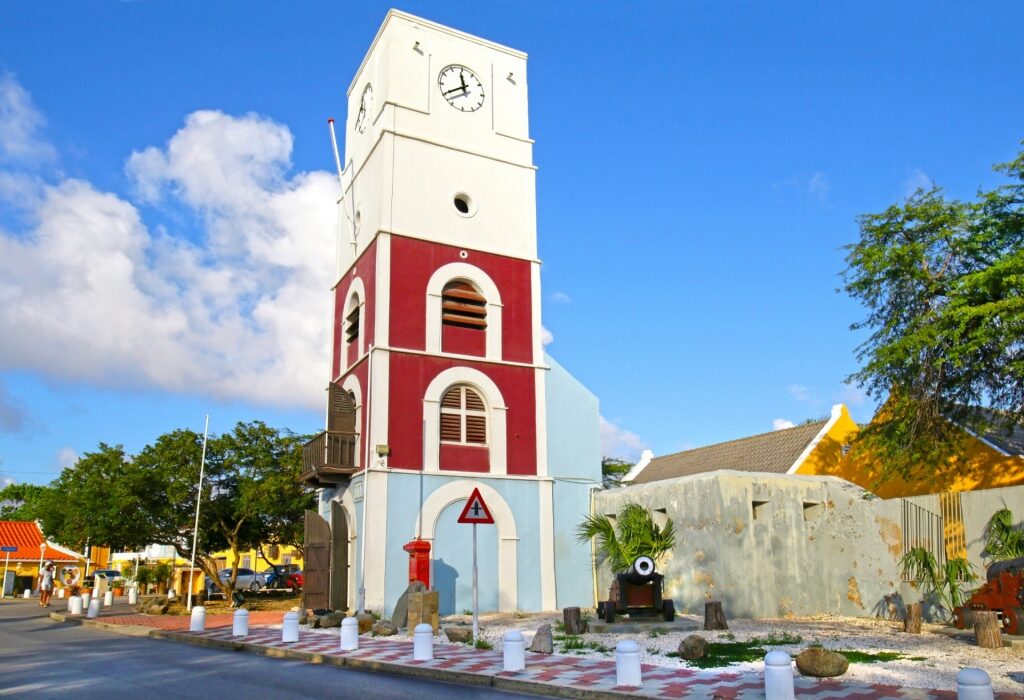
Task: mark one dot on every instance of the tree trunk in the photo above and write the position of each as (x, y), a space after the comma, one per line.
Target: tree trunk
(573, 623)
(912, 622)
(714, 616)
(987, 629)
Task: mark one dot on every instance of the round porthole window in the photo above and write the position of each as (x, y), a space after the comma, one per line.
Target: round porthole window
(464, 204)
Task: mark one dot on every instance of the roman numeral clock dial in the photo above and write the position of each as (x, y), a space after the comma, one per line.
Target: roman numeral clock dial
(461, 88)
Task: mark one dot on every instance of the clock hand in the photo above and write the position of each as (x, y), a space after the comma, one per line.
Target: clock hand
(461, 88)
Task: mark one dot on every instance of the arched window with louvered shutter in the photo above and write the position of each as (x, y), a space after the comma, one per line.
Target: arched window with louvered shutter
(463, 319)
(352, 330)
(463, 417)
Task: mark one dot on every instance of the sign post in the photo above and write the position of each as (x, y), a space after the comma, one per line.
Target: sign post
(475, 513)
(7, 560)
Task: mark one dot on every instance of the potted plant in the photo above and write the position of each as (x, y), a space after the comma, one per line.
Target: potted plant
(144, 578)
(162, 575)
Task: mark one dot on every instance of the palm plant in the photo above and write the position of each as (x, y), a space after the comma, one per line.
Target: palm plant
(944, 584)
(1003, 539)
(631, 534)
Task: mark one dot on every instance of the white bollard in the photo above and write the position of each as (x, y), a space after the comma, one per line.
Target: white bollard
(198, 621)
(973, 684)
(627, 664)
(108, 598)
(423, 642)
(75, 605)
(27, 593)
(240, 623)
(86, 597)
(290, 627)
(69, 603)
(778, 676)
(133, 596)
(60, 593)
(94, 608)
(514, 647)
(171, 595)
(349, 634)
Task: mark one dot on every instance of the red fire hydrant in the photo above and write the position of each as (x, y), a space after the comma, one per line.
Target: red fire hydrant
(419, 561)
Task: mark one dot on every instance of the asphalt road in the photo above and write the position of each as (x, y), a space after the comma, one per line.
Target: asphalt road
(40, 658)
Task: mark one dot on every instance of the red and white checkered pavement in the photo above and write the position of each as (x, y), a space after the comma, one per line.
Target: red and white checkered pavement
(581, 673)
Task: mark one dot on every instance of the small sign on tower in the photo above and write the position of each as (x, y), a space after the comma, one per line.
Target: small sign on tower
(476, 512)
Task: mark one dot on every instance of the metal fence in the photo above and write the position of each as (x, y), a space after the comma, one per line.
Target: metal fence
(923, 528)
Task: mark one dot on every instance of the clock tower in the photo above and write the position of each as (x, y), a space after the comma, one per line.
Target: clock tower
(439, 381)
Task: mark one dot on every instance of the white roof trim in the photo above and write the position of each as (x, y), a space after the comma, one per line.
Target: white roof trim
(837, 411)
(645, 458)
(986, 443)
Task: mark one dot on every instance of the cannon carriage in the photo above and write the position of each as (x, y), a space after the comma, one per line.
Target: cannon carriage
(638, 592)
(1002, 593)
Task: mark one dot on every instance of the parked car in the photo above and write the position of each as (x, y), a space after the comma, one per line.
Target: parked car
(108, 574)
(277, 576)
(295, 580)
(247, 579)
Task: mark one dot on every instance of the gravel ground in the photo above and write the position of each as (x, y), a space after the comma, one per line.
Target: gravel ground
(944, 655)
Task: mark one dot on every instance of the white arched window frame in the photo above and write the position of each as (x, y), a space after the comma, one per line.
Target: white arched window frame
(496, 411)
(354, 300)
(467, 415)
(351, 385)
(478, 278)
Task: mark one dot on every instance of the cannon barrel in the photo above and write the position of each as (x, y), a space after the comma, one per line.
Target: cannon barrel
(1010, 566)
(641, 571)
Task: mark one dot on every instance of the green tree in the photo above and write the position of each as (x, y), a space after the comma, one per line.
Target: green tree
(942, 281)
(1003, 539)
(22, 501)
(631, 534)
(613, 470)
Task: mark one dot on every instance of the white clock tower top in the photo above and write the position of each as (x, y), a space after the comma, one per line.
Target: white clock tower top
(437, 142)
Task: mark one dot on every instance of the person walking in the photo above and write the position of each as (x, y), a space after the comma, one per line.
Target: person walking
(46, 584)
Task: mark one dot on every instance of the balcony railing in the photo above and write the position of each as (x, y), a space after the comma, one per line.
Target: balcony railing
(329, 458)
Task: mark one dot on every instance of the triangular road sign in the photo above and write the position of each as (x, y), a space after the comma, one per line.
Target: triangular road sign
(475, 512)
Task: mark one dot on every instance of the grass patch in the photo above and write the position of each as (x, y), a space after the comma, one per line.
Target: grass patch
(866, 657)
(576, 644)
(774, 639)
(655, 633)
(724, 653)
(482, 643)
(653, 651)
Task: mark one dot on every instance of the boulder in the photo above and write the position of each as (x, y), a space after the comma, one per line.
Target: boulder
(542, 642)
(366, 622)
(332, 619)
(693, 647)
(462, 634)
(401, 615)
(385, 628)
(821, 663)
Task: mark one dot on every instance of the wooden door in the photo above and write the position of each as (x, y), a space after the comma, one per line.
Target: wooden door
(339, 557)
(315, 586)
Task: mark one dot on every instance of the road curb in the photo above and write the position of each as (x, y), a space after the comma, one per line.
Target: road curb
(443, 675)
(127, 630)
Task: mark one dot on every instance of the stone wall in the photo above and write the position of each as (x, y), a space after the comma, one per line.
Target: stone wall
(773, 545)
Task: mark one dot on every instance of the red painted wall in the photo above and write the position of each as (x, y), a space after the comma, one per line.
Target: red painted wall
(464, 341)
(465, 458)
(412, 264)
(364, 268)
(410, 376)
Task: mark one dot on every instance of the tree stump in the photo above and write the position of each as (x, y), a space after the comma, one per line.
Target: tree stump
(912, 622)
(987, 630)
(714, 616)
(573, 623)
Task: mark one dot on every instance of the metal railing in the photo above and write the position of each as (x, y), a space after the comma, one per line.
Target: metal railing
(923, 528)
(330, 450)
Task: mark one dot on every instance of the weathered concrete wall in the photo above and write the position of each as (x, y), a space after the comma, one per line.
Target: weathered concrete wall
(772, 545)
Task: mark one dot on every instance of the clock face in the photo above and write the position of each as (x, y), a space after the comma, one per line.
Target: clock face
(365, 105)
(460, 86)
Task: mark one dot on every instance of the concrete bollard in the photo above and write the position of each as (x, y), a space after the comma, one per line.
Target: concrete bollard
(973, 684)
(290, 627)
(240, 623)
(778, 676)
(27, 593)
(94, 608)
(86, 598)
(198, 621)
(514, 647)
(133, 596)
(69, 603)
(75, 605)
(627, 664)
(108, 598)
(349, 634)
(423, 642)
(60, 593)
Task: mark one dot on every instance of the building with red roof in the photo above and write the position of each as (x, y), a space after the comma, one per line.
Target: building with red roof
(30, 547)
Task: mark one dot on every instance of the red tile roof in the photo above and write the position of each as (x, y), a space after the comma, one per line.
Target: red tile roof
(27, 537)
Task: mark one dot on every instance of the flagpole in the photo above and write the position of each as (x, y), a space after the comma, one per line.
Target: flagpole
(199, 500)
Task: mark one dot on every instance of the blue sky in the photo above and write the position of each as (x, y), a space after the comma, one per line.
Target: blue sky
(166, 200)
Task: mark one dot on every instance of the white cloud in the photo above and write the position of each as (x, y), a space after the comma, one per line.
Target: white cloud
(19, 123)
(917, 180)
(782, 424)
(561, 298)
(14, 416)
(546, 336)
(799, 392)
(819, 186)
(92, 293)
(66, 457)
(619, 442)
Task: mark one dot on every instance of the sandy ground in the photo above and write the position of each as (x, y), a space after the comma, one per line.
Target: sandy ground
(944, 656)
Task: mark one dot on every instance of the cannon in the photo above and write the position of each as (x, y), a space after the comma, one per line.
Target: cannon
(1002, 593)
(639, 593)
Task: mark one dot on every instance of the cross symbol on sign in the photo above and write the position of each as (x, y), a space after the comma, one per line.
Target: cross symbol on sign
(476, 511)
